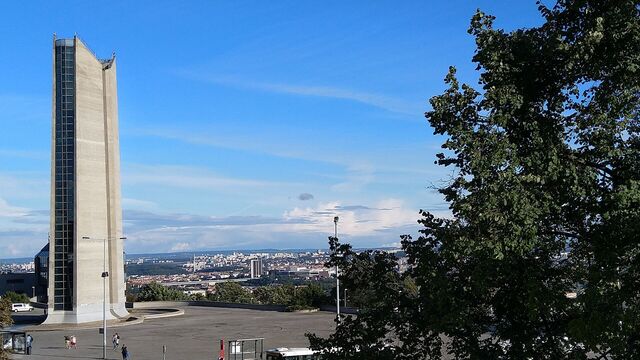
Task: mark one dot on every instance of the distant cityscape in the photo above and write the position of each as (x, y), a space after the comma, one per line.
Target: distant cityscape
(21, 265)
(198, 272)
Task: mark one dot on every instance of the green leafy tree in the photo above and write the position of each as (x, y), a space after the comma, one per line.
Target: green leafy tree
(276, 294)
(14, 297)
(305, 297)
(283, 294)
(379, 291)
(263, 294)
(232, 292)
(545, 201)
(157, 292)
(301, 297)
(5, 320)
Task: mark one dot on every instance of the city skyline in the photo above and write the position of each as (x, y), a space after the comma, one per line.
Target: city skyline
(228, 145)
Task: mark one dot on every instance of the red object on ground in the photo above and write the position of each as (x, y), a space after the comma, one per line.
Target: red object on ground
(221, 355)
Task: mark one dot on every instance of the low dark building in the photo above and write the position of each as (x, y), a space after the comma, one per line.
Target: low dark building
(21, 283)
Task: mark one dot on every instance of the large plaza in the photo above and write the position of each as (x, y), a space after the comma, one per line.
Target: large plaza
(194, 335)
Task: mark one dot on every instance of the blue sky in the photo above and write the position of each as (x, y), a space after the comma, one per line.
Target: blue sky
(246, 124)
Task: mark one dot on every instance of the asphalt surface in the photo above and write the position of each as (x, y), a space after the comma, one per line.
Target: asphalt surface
(192, 336)
(28, 317)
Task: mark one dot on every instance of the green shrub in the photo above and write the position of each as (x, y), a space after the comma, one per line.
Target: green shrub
(14, 297)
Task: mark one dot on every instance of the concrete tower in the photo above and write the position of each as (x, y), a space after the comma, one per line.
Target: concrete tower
(86, 215)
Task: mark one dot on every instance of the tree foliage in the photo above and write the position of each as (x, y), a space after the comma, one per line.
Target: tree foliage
(545, 201)
(295, 297)
(299, 297)
(5, 320)
(274, 294)
(379, 291)
(157, 292)
(14, 297)
(231, 292)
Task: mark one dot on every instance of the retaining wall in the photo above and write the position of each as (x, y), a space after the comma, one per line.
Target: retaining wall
(157, 304)
(263, 307)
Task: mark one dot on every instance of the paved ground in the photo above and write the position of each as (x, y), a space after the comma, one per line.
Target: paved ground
(28, 317)
(192, 336)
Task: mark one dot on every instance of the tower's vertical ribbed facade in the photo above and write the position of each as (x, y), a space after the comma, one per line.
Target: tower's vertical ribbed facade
(86, 215)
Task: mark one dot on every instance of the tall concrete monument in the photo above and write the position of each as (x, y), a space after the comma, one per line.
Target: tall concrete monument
(86, 215)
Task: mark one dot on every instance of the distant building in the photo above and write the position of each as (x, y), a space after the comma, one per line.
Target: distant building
(41, 265)
(280, 274)
(21, 283)
(256, 268)
(86, 215)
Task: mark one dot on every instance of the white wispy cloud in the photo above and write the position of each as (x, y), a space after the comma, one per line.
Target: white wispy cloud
(181, 246)
(25, 185)
(381, 101)
(241, 141)
(374, 224)
(21, 242)
(388, 103)
(129, 203)
(355, 220)
(7, 210)
(22, 231)
(188, 177)
(356, 165)
(307, 227)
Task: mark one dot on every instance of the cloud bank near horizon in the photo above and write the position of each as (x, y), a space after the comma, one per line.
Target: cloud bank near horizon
(148, 231)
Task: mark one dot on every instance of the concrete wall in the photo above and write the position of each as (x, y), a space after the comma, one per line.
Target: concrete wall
(91, 187)
(161, 304)
(114, 220)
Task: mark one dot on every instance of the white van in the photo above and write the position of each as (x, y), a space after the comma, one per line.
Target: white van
(21, 307)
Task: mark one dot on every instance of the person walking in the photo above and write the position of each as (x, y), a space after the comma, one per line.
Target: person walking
(125, 352)
(116, 341)
(29, 342)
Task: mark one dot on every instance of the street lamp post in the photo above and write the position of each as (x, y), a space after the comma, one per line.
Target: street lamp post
(105, 275)
(335, 233)
(345, 298)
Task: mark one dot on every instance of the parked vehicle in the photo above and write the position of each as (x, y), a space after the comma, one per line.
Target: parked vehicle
(17, 307)
(292, 354)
